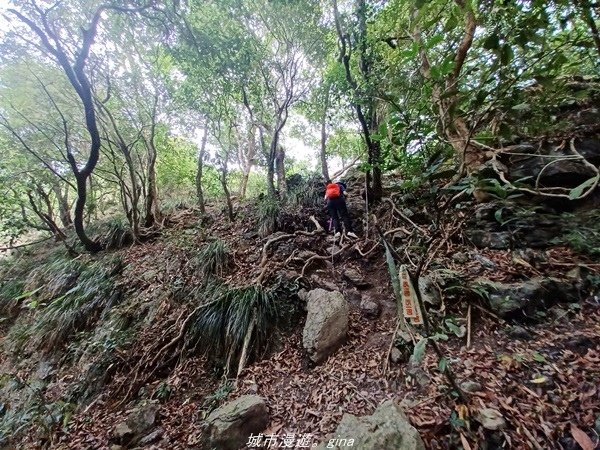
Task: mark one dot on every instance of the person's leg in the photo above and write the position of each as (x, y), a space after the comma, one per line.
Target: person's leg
(343, 211)
(332, 208)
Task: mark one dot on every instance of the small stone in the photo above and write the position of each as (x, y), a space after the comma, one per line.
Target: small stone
(387, 428)
(150, 438)
(430, 293)
(491, 419)
(518, 332)
(470, 386)
(356, 278)
(486, 262)
(122, 431)
(150, 275)
(250, 235)
(460, 258)
(369, 308)
(142, 418)
(395, 355)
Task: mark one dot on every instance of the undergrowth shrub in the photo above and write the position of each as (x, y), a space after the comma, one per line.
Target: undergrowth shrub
(213, 258)
(237, 318)
(113, 233)
(583, 234)
(68, 295)
(268, 215)
(304, 192)
(223, 324)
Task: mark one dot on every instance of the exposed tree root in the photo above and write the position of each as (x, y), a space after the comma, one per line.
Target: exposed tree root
(322, 258)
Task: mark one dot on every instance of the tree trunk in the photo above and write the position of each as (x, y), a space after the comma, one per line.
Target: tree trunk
(323, 152)
(199, 170)
(374, 189)
(280, 171)
(248, 161)
(64, 209)
(227, 193)
(588, 18)
(152, 212)
(90, 245)
(134, 215)
(75, 72)
(46, 217)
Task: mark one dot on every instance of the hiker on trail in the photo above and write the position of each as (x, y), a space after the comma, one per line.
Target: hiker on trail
(336, 206)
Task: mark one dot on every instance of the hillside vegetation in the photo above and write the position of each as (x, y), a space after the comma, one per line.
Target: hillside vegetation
(169, 274)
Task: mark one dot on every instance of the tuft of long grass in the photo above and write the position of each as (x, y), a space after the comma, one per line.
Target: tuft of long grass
(305, 192)
(87, 293)
(268, 215)
(10, 291)
(233, 313)
(213, 258)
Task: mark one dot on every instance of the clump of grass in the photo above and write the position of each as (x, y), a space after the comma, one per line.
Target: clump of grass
(10, 291)
(305, 192)
(213, 258)
(237, 322)
(117, 233)
(77, 294)
(268, 216)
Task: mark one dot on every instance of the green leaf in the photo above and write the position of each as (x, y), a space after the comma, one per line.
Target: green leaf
(492, 42)
(577, 191)
(506, 54)
(539, 357)
(435, 40)
(498, 215)
(521, 107)
(419, 352)
(442, 364)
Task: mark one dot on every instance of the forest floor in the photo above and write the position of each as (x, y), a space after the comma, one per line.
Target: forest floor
(541, 375)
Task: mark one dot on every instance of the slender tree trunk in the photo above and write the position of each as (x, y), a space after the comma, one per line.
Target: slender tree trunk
(323, 152)
(223, 179)
(271, 165)
(75, 72)
(152, 212)
(280, 171)
(199, 170)
(46, 217)
(374, 190)
(454, 127)
(588, 18)
(134, 216)
(64, 209)
(78, 218)
(248, 162)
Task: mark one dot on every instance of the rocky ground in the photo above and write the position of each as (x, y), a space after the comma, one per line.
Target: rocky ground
(511, 298)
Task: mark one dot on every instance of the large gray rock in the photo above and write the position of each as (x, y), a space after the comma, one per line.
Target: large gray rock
(230, 425)
(139, 421)
(387, 429)
(528, 296)
(326, 323)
